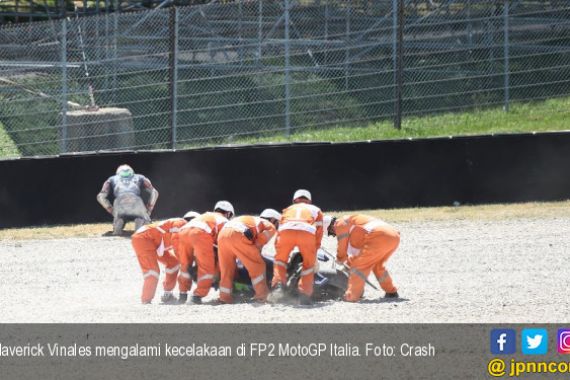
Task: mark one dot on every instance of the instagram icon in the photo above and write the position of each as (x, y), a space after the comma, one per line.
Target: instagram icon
(564, 341)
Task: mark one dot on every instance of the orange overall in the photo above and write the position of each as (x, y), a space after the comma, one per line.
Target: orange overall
(232, 244)
(301, 226)
(367, 243)
(196, 240)
(154, 243)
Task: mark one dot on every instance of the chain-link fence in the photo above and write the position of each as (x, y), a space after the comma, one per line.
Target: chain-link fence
(224, 71)
(17, 11)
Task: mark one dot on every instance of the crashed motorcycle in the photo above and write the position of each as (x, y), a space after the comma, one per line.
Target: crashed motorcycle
(329, 283)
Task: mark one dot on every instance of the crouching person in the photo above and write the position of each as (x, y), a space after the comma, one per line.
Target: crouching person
(127, 189)
(196, 241)
(154, 243)
(243, 238)
(365, 244)
(301, 226)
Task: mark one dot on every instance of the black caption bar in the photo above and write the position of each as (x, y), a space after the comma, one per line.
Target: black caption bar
(246, 351)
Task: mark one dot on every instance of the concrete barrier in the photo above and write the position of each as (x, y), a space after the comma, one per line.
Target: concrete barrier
(348, 176)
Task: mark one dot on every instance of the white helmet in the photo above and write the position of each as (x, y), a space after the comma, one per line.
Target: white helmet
(191, 215)
(125, 171)
(270, 213)
(224, 206)
(302, 193)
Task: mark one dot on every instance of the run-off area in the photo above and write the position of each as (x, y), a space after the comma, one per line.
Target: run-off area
(510, 270)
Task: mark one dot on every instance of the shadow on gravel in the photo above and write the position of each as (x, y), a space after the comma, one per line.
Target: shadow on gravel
(294, 303)
(124, 234)
(313, 306)
(385, 300)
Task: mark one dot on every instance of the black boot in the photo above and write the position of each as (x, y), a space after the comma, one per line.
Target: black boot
(392, 295)
(196, 300)
(183, 297)
(118, 225)
(168, 299)
(305, 300)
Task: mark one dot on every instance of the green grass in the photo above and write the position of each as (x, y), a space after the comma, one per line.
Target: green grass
(549, 115)
(494, 212)
(7, 146)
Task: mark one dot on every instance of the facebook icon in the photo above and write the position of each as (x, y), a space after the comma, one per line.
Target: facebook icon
(503, 341)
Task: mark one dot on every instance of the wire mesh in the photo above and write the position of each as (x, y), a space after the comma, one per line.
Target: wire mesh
(226, 71)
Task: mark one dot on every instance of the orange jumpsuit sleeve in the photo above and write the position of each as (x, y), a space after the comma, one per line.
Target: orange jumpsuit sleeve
(342, 236)
(285, 215)
(165, 233)
(356, 238)
(217, 231)
(182, 252)
(266, 232)
(175, 240)
(319, 233)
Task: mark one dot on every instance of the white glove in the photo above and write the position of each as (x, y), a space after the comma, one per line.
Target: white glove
(341, 266)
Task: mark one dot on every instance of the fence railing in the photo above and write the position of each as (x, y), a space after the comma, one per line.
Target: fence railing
(19, 11)
(220, 73)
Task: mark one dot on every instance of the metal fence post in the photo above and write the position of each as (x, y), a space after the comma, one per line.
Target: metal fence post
(106, 48)
(287, 72)
(506, 52)
(469, 26)
(394, 39)
(115, 55)
(260, 31)
(173, 73)
(240, 31)
(327, 15)
(61, 6)
(347, 42)
(399, 68)
(63, 143)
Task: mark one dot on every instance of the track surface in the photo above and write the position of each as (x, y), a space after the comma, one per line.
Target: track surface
(447, 271)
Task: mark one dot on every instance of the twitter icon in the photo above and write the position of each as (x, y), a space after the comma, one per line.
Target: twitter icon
(534, 341)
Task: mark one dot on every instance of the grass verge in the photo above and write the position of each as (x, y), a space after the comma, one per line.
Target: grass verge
(548, 115)
(7, 146)
(535, 210)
